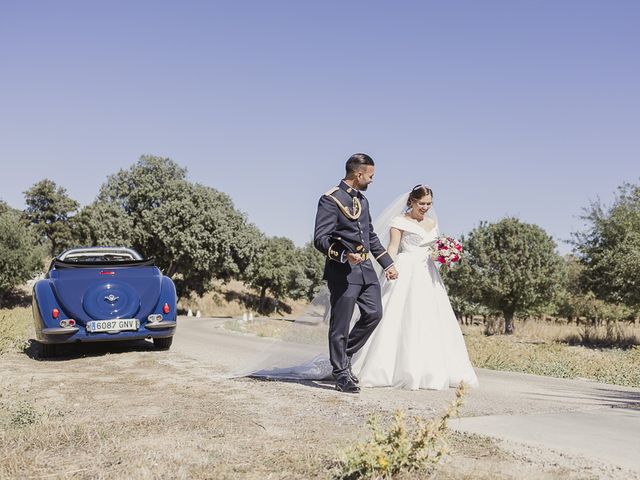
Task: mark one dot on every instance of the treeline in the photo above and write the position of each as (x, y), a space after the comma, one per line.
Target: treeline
(512, 269)
(194, 232)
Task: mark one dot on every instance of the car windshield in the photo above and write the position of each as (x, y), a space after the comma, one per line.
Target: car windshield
(107, 257)
(99, 255)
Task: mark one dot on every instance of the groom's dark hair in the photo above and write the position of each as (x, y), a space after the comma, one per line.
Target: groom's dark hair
(356, 162)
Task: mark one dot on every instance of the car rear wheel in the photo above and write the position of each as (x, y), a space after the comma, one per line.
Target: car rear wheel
(47, 350)
(163, 343)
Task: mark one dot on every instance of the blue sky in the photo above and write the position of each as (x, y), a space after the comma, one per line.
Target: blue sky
(525, 108)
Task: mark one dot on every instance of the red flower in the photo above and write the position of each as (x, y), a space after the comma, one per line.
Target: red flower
(455, 258)
(459, 247)
(441, 259)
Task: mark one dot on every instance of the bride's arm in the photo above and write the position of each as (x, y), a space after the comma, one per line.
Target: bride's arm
(394, 242)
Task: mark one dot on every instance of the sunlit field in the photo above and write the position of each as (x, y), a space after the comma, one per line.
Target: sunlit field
(551, 349)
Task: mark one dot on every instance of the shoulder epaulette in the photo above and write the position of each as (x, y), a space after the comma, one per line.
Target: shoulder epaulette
(357, 206)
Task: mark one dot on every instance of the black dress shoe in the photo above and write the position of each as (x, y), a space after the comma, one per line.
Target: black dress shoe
(346, 385)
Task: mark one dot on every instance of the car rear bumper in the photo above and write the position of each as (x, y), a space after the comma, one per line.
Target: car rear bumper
(161, 325)
(78, 334)
(60, 331)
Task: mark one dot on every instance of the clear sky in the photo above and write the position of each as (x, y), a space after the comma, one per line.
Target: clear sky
(526, 108)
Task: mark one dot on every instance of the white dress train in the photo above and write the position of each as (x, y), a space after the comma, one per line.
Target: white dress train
(418, 343)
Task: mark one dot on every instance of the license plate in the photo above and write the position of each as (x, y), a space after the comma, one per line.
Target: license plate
(117, 325)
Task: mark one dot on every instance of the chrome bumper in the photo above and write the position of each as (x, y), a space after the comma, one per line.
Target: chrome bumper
(160, 325)
(60, 330)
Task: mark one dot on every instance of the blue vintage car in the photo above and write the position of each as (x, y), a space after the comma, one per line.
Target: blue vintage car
(100, 294)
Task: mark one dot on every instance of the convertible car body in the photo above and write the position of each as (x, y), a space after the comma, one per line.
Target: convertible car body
(101, 294)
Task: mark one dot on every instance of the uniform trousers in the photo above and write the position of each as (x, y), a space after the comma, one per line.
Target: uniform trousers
(342, 342)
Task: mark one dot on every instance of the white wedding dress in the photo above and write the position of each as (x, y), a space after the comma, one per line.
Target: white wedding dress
(418, 343)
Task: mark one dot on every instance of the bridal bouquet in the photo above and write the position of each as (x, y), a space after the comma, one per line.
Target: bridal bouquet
(448, 251)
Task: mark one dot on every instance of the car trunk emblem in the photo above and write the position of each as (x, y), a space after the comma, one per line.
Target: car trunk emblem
(111, 298)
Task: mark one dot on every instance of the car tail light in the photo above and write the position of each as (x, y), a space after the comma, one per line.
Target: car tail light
(55, 313)
(107, 272)
(72, 322)
(166, 308)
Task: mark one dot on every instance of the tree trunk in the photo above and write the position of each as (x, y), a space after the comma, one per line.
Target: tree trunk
(508, 323)
(263, 297)
(170, 270)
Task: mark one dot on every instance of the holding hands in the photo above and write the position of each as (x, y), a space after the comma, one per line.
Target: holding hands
(391, 273)
(356, 258)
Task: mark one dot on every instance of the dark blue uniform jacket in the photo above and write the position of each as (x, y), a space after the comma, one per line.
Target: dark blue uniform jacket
(343, 224)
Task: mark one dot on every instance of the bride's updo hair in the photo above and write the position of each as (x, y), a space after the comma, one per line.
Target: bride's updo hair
(418, 192)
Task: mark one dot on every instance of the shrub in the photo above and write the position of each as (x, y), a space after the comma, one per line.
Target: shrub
(399, 449)
(20, 256)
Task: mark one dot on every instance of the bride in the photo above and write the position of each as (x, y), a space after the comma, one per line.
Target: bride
(418, 343)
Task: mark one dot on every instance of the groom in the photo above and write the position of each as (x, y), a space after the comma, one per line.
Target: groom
(344, 233)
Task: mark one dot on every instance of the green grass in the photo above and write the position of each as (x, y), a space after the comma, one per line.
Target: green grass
(15, 329)
(552, 358)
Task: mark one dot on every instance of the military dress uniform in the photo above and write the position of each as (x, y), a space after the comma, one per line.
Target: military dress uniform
(343, 225)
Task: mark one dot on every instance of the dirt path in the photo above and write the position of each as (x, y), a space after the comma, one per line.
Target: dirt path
(127, 411)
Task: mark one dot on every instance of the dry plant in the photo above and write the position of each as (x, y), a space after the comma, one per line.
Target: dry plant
(542, 331)
(292, 331)
(16, 325)
(22, 414)
(399, 449)
(611, 335)
(493, 326)
(231, 299)
(533, 330)
(224, 300)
